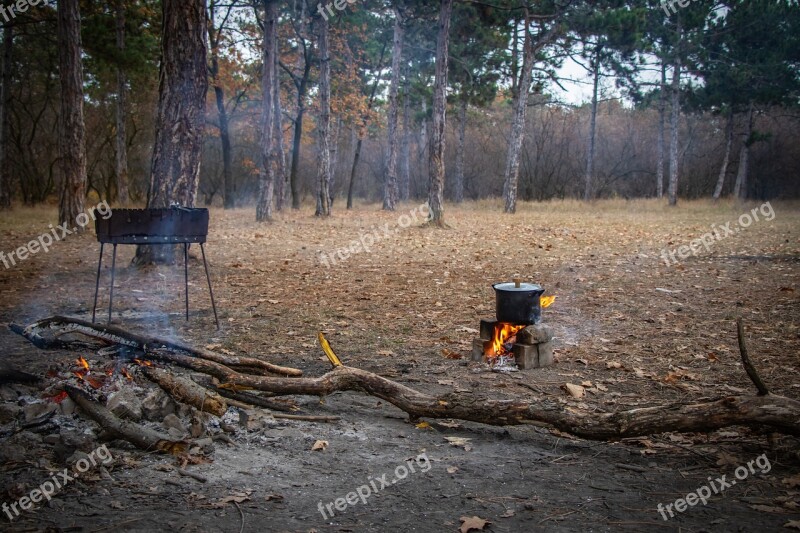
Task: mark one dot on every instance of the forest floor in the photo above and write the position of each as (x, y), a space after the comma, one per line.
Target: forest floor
(630, 328)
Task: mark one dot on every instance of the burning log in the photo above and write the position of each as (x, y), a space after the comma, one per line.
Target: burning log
(778, 412)
(114, 335)
(140, 436)
(187, 391)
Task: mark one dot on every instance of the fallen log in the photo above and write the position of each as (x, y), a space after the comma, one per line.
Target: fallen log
(140, 436)
(187, 391)
(778, 412)
(114, 335)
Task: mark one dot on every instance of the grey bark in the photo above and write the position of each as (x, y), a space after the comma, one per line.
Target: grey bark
(458, 192)
(520, 105)
(589, 177)
(437, 148)
(662, 112)
(740, 189)
(726, 157)
(405, 159)
(5, 118)
(390, 190)
(280, 149)
(180, 115)
(324, 123)
(266, 182)
(674, 126)
(675, 123)
(301, 83)
(334, 158)
(71, 145)
(121, 160)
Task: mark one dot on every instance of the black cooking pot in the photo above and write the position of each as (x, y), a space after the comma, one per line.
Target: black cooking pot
(518, 303)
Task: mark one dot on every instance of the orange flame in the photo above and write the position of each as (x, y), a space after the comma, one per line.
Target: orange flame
(82, 362)
(79, 375)
(547, 301)
(140, 362)
(502, 333)
(127, 374)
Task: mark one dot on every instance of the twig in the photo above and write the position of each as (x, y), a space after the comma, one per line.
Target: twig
(192, 475)
(748, 366)
(241, 513)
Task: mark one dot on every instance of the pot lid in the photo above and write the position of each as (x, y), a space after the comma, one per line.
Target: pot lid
(512, 287)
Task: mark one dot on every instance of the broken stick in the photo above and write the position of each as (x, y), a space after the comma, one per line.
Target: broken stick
(140, 436)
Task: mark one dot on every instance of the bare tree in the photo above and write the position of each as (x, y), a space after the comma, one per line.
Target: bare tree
(72, 132)
(121, 159)
(180, 116)
(266, 182)
(390, 192)
(436, 155)
(324, 123)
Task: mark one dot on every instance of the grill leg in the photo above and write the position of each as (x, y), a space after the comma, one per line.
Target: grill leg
(111, 294)
(97, 281)
(208, 279)
(186, 275)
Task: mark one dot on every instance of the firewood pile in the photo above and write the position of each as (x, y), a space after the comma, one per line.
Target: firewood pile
(128, 389)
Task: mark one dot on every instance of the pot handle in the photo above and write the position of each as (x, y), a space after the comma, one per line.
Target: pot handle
(517, 281)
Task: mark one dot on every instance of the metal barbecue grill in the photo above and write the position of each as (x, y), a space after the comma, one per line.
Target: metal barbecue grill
(169, 226)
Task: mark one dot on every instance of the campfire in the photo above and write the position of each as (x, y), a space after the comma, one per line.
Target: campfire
(516, 339)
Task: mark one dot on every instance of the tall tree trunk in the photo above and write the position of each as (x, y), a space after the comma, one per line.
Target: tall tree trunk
(266, 182)
(674, 123)
(121, 161)
(294, 184)
(726, 157)
(589, 177)
(280, 150)
(740, 189)
(5, 118)
(405, 149)
(390, 191)
(71, 147)
(458, 193)
(423, 145)
(662, 112)
(324, 123)
(362, 130)
(518, 123)
(436, 155)
(337, 129)
(180, 116)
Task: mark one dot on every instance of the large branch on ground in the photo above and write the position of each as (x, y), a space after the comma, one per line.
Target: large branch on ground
(777, 412)
(114, 335)
(140, 436)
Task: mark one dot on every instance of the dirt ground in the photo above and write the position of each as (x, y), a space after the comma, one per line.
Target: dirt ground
(632, 329)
